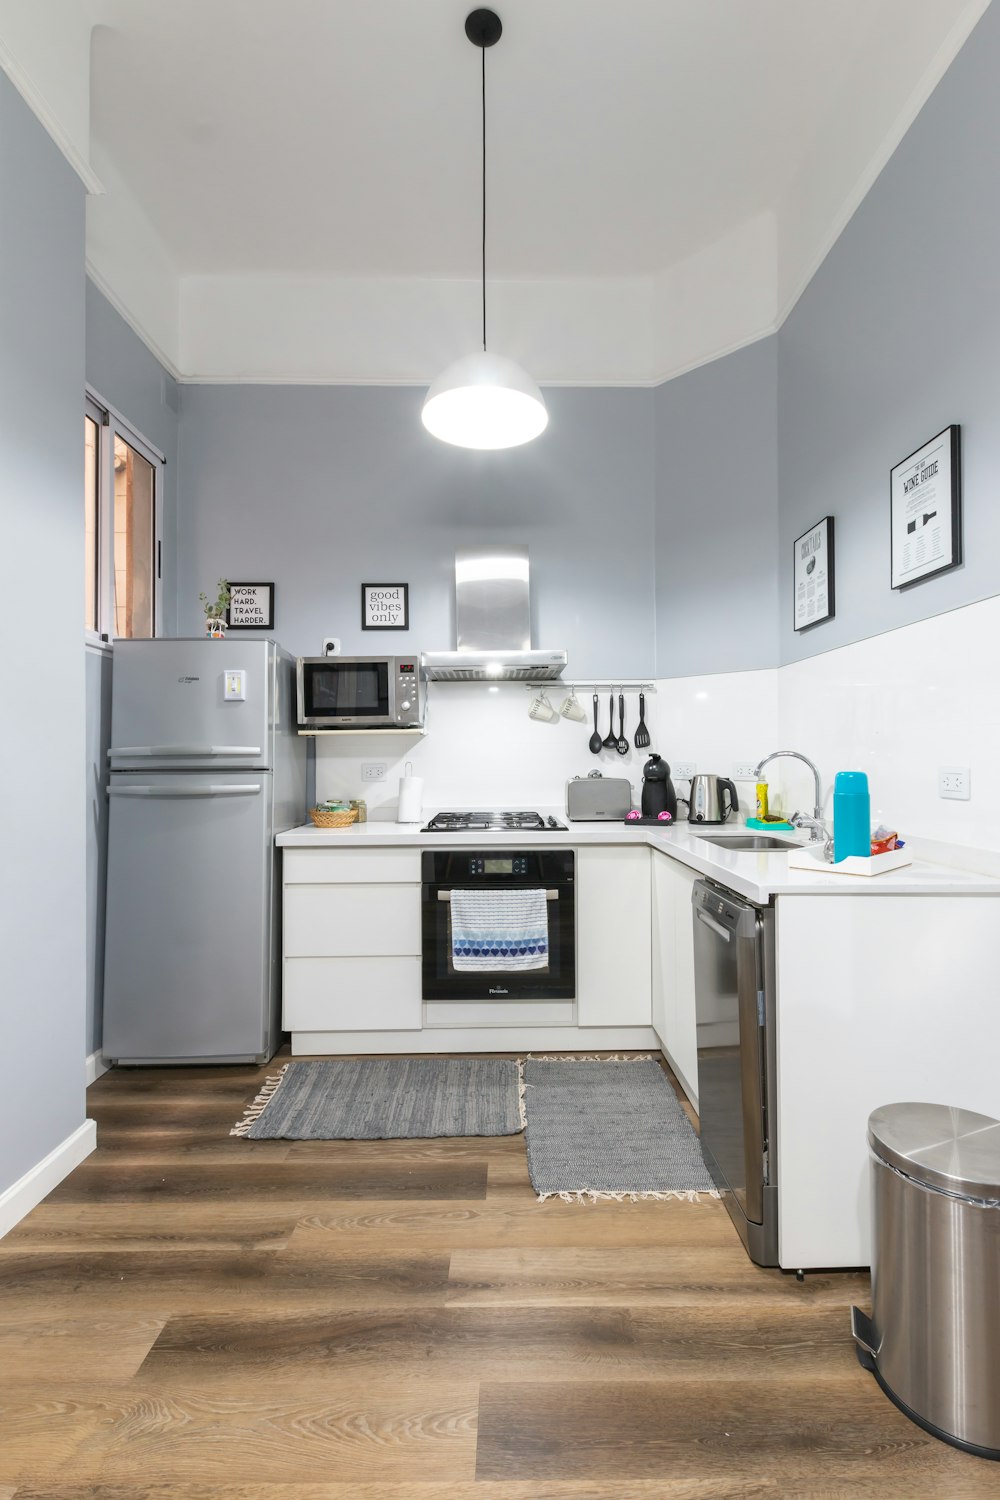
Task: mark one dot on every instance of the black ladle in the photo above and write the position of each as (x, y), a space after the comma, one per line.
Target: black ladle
(596, 743)
(622, 743)
(611, 742)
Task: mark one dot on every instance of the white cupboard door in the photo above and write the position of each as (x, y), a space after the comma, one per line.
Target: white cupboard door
(613, 948)
(673, 938)
(352, 994)
(339, 921)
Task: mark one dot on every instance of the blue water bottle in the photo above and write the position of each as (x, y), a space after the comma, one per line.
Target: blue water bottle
(852, 827)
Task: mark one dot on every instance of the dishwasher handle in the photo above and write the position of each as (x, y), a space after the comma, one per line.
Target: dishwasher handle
(716, 927)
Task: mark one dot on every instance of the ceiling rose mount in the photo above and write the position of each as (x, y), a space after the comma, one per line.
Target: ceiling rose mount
(484, 400)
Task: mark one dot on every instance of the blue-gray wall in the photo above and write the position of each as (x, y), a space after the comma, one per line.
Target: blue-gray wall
(897, 336)
(716, 468)
(126, 375)
(324, 488)
(42, 905)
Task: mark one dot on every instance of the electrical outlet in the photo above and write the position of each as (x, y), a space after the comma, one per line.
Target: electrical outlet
(953, 781)
(743, 770)
(331, 645)
(683, 769)
(373, 770)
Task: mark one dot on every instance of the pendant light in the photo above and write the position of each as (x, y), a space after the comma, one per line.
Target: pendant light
(484, 400)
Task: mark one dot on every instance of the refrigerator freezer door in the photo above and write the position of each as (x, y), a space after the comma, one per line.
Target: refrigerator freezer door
(187, 964)
(169, 707)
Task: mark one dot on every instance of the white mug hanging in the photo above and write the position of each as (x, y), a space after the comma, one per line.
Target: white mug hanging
(542, 710)
(572, 709)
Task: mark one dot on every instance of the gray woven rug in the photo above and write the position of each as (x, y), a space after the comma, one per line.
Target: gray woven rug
(386, 1099)
(614, 1129)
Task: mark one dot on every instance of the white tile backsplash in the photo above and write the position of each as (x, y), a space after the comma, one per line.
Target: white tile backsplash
(897, 706)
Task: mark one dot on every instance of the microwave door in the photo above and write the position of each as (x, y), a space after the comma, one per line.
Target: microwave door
(335, 691)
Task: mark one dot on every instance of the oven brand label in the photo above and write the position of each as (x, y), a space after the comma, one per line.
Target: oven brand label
(499, 991)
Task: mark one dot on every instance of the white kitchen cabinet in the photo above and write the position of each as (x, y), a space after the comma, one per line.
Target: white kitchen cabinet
(673, 969)
(881, 999)
(351, 946)
(613, 906)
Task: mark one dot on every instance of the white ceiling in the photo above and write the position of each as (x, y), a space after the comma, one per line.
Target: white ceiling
(338, 140)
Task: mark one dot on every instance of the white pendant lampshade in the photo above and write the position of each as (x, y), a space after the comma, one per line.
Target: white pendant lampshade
(484, 401)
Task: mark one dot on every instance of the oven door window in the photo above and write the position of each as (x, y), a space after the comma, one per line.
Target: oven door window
(348, 690)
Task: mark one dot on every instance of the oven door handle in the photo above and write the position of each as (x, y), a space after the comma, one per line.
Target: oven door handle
(549, 895)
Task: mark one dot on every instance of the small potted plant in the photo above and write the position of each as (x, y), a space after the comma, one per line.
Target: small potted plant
(215, 613)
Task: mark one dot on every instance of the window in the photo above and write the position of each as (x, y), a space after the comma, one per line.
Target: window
(122, 538)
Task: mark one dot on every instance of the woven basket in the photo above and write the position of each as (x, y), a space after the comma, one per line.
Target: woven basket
(333, 819)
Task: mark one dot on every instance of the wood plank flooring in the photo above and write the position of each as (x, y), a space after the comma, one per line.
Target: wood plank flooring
(196, 1316)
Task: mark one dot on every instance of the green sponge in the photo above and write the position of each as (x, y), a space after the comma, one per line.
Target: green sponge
(772, 825)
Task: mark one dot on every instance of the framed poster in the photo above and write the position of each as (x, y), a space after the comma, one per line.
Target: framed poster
(385, 606)
(925, 505)
(251, 606)
(813, 575)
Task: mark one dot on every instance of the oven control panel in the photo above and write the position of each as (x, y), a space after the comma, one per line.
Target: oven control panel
(496, 864)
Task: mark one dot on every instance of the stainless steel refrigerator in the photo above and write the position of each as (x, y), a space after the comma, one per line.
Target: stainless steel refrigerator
(206, 767)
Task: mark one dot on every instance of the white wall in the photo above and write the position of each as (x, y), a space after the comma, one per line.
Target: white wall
(42, 907)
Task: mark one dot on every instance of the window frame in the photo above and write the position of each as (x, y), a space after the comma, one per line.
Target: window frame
(111, 425)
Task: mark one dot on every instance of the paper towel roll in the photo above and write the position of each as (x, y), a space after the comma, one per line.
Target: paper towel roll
(411, 799)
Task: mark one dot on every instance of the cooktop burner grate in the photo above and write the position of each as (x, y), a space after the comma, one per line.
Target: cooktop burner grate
(495, 822)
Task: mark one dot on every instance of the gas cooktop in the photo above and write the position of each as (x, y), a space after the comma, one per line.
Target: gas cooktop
(492, 822)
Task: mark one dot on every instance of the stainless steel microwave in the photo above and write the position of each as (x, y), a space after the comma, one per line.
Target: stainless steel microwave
(360, 692)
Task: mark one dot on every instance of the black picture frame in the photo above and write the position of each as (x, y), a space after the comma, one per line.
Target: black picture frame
(391, 611)
(244, 621)
(814, 576)
(919, 549)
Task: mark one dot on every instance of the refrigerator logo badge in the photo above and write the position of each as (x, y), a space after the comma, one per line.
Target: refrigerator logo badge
(189, 679)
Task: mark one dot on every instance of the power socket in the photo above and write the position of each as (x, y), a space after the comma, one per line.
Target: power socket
(743, 770)
(954, 782)
(373, 770)
(683, 769)
(331, 645)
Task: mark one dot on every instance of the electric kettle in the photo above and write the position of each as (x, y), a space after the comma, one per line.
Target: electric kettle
(707, 803)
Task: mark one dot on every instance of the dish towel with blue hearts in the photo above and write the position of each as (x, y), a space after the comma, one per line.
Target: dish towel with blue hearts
(496, 929)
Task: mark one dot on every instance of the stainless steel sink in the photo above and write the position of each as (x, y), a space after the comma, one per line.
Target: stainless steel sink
(758, 841)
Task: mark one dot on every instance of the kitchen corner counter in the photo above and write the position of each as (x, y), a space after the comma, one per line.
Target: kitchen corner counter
(757, 875)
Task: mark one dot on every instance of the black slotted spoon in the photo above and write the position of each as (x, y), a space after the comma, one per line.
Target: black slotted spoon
(642, 733)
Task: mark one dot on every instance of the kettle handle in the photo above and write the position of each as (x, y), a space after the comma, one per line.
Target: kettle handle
(728, 786)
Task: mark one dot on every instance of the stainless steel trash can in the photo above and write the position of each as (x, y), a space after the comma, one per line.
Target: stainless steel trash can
(934, 1332)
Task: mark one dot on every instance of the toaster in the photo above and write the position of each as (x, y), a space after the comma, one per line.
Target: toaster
(598, 799)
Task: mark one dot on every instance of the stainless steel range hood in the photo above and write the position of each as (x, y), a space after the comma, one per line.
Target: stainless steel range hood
(493, 622)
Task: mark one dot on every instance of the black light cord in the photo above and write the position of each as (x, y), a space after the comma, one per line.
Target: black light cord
(484, 199)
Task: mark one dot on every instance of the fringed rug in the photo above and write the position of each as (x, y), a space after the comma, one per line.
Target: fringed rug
(609, 1129)
(387, 1099)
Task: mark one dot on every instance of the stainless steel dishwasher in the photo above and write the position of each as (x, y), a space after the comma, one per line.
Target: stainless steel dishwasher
(735, 1011)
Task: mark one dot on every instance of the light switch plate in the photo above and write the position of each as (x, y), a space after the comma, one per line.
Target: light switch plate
(954, 782)
(235, 687)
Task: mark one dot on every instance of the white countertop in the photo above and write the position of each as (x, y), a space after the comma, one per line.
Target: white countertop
(758, 875)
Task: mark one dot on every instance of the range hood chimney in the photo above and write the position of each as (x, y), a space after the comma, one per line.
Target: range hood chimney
(493, 621)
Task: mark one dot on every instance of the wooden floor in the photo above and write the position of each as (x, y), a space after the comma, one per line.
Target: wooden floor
(194, 1315)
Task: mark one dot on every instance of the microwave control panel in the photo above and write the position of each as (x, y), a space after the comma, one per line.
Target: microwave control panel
(406, 687)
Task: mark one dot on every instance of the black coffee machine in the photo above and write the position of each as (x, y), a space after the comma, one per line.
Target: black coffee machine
(658, 793)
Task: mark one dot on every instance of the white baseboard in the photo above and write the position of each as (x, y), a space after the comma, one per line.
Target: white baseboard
(29, 1190)
(95, 1067)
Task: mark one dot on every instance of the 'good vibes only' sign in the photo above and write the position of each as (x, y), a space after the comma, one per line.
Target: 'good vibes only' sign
(385, 606)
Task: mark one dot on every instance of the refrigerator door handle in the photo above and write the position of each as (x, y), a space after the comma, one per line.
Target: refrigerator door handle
(251, 789)
(184, 751)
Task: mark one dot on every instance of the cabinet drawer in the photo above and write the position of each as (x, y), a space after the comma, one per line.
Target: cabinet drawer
(352, 994)
(338, 921)
(349, 866)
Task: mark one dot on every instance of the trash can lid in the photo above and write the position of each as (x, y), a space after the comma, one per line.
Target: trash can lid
(953, 1149)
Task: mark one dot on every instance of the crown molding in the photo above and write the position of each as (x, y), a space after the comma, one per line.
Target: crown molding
(49, 119)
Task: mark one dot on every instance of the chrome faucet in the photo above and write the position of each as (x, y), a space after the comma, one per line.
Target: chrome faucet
(817, 817)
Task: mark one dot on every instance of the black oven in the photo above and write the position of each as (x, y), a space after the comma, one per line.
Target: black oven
(445, 871)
